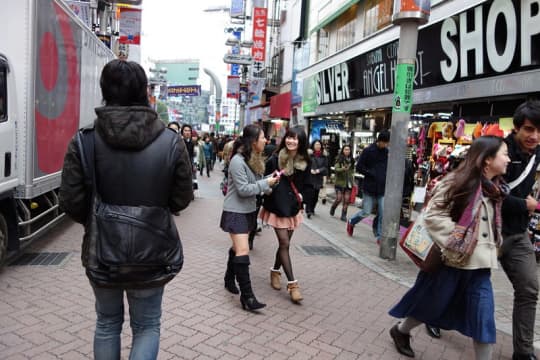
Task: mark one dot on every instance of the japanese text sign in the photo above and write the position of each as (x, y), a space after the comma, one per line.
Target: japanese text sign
(258, 50)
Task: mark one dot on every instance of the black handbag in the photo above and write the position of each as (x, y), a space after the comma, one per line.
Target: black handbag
(127, 246)
(283, 201)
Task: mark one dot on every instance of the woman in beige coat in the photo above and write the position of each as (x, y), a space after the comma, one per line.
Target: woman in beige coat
(463, 218)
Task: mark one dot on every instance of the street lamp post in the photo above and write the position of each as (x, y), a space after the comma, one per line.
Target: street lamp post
(408, 14)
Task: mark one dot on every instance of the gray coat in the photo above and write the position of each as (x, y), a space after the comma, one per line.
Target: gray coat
(242, 187)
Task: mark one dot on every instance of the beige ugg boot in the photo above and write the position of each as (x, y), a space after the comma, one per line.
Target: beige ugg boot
(294, 291)
(275, 279)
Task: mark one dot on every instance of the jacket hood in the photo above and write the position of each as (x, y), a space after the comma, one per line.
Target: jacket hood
(128, 127)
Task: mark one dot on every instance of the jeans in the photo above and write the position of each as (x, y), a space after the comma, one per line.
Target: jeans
(145, 321)
(367, 207)
(519, 263)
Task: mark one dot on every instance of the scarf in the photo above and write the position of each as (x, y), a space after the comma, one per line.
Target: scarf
(317, 153)
(464, 238)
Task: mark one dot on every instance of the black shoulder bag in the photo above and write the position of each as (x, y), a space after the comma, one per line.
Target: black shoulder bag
(127, 246)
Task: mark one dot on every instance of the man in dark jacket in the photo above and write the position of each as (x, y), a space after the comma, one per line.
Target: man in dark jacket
(517, 253)
(136, 163)
(372, 164)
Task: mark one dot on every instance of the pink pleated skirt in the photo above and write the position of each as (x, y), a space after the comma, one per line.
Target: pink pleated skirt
(289, 223)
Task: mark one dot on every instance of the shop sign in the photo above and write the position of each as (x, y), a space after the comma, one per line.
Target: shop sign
(238, 59)
(184, 90)
(494, 38)
(258, 50)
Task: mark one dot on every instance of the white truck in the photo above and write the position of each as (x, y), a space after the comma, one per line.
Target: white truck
(50, 63)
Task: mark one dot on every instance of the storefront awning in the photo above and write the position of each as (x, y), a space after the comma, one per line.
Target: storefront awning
(280, 106)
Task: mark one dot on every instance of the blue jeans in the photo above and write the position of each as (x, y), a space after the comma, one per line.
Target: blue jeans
(144, 318)
(367, 207)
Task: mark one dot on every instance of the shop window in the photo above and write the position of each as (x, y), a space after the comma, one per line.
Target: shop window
(3, 95)
(377, 15)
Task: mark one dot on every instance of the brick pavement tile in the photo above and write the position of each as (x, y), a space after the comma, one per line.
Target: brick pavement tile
(347, 355)
(195, 339)
(281, 348)
(265, 351)
(324, 347)
(207, 350)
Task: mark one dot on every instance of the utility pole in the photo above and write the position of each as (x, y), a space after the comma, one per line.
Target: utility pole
(409, 14)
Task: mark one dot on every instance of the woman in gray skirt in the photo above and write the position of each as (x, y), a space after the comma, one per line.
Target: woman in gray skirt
(239, 216)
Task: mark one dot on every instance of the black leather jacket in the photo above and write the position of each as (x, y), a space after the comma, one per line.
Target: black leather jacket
(138, 162)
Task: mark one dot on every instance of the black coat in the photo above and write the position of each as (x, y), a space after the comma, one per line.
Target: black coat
(282, 201)
(372, 164)
(515, 216)
(318, 163)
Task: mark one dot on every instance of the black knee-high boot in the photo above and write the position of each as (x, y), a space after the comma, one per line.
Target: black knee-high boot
(241, 270)
(230, 284)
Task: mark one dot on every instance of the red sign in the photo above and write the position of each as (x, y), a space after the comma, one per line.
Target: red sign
(258, 50)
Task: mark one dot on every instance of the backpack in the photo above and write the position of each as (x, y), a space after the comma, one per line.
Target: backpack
(127, 246)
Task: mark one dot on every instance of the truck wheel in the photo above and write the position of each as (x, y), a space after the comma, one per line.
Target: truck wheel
(3, 239)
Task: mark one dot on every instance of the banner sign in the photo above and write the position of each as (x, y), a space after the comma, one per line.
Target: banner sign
(130, 26)
(258, 51)
(235, 68)
(233, 86)
(475, 44)
(184, 90)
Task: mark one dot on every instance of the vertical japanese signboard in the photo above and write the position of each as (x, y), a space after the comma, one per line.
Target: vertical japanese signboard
(258, 51)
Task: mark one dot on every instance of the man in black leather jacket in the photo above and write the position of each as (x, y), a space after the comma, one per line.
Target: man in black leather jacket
(126, 128)
(517, 253)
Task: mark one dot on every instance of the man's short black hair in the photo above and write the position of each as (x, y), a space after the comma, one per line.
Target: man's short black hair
(124, 83)
(530, 109)
(384, 136)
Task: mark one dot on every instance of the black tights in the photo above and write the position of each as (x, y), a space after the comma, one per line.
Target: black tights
(282, 254)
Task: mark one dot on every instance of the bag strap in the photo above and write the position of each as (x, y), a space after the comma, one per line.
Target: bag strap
(295, 190)
(86, 145)
(523, 175)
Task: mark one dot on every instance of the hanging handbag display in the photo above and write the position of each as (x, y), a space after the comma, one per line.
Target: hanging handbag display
(420, 247)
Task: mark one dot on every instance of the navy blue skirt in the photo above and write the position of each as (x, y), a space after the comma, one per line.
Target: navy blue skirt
(237, 223)
(452, 299)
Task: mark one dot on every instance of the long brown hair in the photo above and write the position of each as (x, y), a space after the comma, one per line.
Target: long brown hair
(465, 179)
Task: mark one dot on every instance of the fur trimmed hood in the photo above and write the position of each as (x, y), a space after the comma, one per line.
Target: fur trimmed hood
(288, 164)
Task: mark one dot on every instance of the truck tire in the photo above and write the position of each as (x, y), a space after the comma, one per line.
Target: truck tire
(3, 239)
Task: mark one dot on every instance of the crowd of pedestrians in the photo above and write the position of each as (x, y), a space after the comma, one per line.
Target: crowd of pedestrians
(478, 214)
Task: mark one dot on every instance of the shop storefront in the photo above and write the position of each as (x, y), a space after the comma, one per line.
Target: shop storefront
(472, 69)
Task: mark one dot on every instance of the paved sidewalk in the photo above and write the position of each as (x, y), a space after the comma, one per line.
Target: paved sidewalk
(46, 312)
(363, 248)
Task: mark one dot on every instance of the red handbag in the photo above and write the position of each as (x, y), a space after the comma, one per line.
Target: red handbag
(354, 193)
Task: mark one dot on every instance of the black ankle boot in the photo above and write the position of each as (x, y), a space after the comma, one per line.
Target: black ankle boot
(343, 215)
(332, 210)
(401, 341)
(230, 284)
(247, 298)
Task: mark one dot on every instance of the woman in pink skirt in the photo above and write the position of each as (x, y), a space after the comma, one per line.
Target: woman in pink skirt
(282, 208)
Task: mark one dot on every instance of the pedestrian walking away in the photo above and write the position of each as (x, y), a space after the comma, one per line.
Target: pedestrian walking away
(372, 165)
(319, 169)
(517, 253)
(463, 217)
(344, 169)
(239, 216)
(282, 207)
(132, 153)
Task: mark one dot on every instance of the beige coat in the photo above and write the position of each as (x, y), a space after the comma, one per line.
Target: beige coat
(440, 226)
